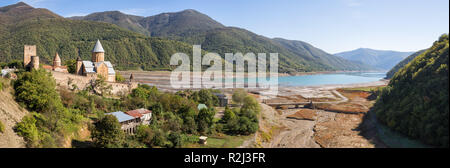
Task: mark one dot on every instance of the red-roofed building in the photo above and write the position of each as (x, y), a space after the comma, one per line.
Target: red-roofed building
(143, 114)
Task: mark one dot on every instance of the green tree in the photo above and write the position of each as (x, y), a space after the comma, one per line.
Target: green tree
(27, 128)
(36, 90)
(71, 65)
(119, 78)
(107, 133)
(175, 139)
(144, 134)
(205, 119)
(99, 86)
(239, 95)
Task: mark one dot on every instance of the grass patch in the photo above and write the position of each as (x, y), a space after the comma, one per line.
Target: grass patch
(364, 89)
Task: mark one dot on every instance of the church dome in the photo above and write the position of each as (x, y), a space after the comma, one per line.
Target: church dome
(98, 47)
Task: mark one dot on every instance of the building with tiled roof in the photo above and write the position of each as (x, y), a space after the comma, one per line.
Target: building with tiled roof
(97, 66)
(144, 115)
(128, 123)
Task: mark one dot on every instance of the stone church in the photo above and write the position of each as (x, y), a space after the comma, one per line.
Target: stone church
(97, 66)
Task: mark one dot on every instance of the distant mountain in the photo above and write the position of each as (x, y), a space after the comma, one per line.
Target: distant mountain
(403, 63)
(25, 25)
(317, 55)
(415, 103)
(194, 27)
(378, 58)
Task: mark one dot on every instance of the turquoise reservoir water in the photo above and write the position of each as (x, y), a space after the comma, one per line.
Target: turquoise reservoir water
(329, 79)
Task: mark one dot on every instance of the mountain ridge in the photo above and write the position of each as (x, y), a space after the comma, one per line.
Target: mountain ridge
(193, 27)
(382, 59)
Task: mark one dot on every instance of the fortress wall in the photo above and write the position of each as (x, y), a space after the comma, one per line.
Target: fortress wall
(82, 82)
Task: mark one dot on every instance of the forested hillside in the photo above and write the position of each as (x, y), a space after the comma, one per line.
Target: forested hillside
(72, 38)
(403, 63)
(194, 27)
(415, 102)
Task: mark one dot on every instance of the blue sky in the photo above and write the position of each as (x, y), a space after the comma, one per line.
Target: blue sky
(332, 25)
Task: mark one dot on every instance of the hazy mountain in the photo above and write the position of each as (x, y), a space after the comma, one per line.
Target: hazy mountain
(194, 27)
(403, 63)
(317, 55)
(378, 58)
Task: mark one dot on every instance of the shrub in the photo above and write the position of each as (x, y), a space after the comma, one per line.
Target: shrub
(28, 130)
(2, 127)
(36, 90)
(119, 78)
(107, 133)
(239, 95)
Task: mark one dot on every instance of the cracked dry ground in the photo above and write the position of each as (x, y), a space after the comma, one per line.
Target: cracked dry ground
(343, 130)
(328, 129)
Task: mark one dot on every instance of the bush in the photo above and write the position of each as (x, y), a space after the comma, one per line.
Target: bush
(205, 119)
(239, 95)
(28, 130)
(144, 134)
(119, 78)
(2, 127)
(107, 133)
(36, 90)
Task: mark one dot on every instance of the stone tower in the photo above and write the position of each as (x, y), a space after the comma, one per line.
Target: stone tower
(34, 62)
(78, 68)
(56, 61)
(98, 54)
(28, 51)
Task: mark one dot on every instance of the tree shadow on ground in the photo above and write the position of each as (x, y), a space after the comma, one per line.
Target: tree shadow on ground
(82, 144)
(368, 129)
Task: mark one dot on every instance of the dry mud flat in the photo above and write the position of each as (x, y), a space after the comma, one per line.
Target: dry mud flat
(334, 125)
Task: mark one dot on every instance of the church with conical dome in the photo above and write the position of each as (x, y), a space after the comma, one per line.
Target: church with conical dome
(97, 66)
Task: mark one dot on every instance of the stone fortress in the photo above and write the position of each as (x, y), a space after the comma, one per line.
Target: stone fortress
(85, 72)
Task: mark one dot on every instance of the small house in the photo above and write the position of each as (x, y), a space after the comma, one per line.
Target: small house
(142, 115)
(128, 123)
(223, 99)
(202, 140)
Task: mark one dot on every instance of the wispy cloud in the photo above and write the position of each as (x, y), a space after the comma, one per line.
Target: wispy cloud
(134, 11)
(354, 6)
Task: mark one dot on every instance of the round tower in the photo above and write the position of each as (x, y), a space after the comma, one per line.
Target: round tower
(78, 68)
(98, 54)
(34, 62)
(56, 61)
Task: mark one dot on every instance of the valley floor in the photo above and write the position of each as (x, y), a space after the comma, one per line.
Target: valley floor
(338, 123)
